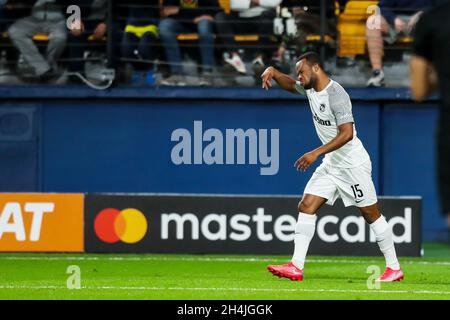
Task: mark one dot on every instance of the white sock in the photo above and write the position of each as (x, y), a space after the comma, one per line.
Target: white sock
(383, 234)
(304, 232)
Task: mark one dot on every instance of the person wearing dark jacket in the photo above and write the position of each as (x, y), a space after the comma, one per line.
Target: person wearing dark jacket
(188, 16)
(48, 17)
(92, 23)
(430, 71)
(398, 18)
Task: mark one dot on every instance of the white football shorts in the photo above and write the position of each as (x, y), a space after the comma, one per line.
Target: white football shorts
(353, 185)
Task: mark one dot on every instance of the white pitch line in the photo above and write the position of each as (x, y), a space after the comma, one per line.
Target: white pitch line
(204, 259)
(226, 289)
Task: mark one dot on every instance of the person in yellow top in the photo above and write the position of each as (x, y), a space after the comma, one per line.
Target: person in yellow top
(141, 33)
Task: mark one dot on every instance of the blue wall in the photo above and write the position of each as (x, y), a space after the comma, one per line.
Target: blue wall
(409, 162)
(124, 145)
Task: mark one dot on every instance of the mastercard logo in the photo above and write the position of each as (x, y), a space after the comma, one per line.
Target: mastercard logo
(128, 225)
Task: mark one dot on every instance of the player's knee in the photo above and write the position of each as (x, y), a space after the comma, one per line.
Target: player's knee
(306, 206)
(370, 216)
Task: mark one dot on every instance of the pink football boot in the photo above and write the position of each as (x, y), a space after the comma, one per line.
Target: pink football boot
(288, 270)
(390, 275)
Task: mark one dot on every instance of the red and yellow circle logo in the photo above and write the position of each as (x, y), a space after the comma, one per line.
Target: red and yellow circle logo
(112, 225)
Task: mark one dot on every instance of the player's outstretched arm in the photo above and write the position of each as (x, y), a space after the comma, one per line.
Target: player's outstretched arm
(285, 81)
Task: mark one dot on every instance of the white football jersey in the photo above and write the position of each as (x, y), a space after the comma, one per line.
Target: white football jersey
(331, 108)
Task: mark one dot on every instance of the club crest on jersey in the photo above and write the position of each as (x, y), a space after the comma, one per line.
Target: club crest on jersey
(320, 121)
(322, 107)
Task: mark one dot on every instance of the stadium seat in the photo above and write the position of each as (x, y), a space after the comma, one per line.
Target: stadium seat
(352, 28)
(237, 38)
(44, 37)
(316, 37)
(405, 40)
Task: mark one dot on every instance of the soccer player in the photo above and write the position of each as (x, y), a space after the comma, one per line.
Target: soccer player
(345, 172)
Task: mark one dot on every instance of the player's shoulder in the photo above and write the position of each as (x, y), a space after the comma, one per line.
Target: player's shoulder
(335, 90)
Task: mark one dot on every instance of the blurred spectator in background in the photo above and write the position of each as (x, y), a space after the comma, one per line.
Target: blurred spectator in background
(431, 52)
(247, 17)
(398, 18)
(93, 23)
(12, 10)
(47, 17)
(306, 14)
(188, 16)
(90, 33)
(141, 33)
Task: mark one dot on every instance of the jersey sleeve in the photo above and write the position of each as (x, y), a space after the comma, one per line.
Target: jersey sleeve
(341, 107)
(299, 88)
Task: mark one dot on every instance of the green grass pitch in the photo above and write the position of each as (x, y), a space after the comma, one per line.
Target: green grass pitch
(158, 276)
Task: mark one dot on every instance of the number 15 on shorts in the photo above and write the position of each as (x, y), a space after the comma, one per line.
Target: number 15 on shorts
(357, 192)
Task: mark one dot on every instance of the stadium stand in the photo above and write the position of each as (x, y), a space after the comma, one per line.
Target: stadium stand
(346, 48)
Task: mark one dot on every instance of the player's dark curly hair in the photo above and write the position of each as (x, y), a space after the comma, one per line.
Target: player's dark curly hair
(312, 58)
